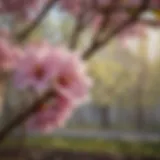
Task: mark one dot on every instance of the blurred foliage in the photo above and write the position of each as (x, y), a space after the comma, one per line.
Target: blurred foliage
(153, 89)
(120, 76)
(113, 78)
(56, 27)
(115, 70)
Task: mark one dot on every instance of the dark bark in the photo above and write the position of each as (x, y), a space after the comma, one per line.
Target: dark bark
(139, 95)
(140, 118)
(28, 30)
(105, 120)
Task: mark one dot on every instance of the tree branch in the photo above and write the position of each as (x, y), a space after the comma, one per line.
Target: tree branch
(77, 30)
(104, 24)
(94, 47)
(80, 25)
(21, 117)
(105, 21)
(28, 30)
(126, 7)
(21, 37)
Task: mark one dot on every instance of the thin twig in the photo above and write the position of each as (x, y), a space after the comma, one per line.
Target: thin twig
(150, 22)
(126, 7)
(21, 37)
(105, 21)
(130, 21)
(91, 50)
(27, 31)
(76, 32)
(80, 25)
(104, 24)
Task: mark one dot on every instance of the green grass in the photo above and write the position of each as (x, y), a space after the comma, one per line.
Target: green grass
(153, 128)
(92, 145)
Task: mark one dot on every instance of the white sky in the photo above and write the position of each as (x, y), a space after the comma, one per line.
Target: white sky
(154, 43)
(153, 47)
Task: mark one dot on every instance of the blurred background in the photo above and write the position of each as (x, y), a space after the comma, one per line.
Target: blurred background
(121, 119)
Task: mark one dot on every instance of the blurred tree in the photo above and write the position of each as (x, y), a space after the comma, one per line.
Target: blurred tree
(145, 91)
(56, 28)
(123, 77)
(112, 80)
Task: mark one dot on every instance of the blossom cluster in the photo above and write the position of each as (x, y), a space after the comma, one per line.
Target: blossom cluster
(24, 7)
(9, 52)
(40, 67)
(21, 8)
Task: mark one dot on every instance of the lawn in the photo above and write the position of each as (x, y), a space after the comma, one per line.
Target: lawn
(91, 145)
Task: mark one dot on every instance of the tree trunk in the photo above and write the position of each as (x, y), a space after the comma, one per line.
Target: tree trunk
(142, 81)
(139, 118)
(105, 120)
(139, 95)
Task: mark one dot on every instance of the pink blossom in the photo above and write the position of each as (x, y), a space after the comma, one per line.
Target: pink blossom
(44, 65)
(55, 68)
(35, 69)
(21, 7)
(72, 7)
(97, 22)
(155, 3)
(5, 33)
(51, 115)
(9, 55)
(72, 80)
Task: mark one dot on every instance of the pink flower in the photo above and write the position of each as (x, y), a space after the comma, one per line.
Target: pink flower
(5, 33)
(38, 66)
(73, 7)
(97, 22)
(9, 55)
(34, 70)
(43, 66)
(21, 7)
(72, 80)
(53, 67)
(51, 116)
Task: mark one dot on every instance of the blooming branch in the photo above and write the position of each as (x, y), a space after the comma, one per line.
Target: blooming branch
(99, 43)
(20, 118)
(27, 31)
(59, 78)
(44, 68)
